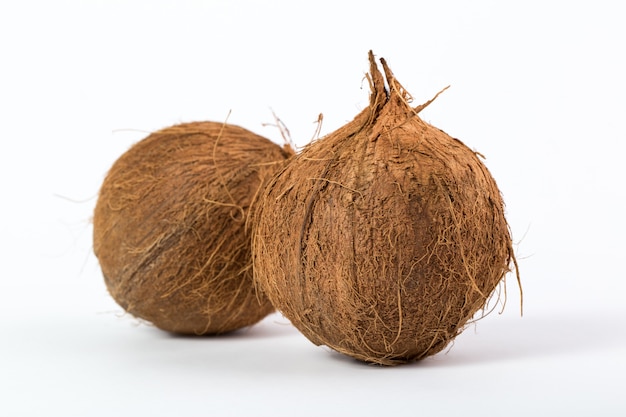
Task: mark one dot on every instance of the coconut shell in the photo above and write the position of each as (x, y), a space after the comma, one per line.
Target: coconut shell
(170, 227)
(382, 239)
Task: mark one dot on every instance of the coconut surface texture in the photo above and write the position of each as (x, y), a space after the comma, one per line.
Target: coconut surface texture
(170, 227)
(382, 239)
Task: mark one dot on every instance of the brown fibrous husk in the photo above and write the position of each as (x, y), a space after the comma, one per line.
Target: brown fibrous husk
(383, 239)
(171, 226)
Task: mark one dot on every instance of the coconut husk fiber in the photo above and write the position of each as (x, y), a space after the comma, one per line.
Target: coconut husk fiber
(170, 227)
(384, 238)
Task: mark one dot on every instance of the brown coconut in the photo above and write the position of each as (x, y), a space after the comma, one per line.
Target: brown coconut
(384, 238)
(170, 227)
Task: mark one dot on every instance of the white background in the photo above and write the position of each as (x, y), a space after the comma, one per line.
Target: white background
(538, 87)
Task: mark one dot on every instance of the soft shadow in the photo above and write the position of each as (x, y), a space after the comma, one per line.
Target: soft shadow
(271, 326)
(512, 338)
(503, 339)
(494, 339)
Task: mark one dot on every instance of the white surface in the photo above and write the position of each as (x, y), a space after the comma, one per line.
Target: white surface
(537, 87)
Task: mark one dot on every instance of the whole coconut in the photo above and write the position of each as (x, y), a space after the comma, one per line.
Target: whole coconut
(384, 238)
(170, 227)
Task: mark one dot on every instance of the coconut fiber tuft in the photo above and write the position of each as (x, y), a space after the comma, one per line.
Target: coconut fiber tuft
(384, 238)
(170, 227)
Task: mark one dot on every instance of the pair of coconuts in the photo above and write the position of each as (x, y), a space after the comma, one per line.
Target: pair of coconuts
(381, 240)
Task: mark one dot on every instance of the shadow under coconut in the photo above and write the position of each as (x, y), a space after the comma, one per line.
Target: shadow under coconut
(270, 327)
(532, 337)
(520, 338)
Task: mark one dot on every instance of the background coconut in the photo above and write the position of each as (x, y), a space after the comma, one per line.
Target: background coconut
(382, 239)
(170, 226)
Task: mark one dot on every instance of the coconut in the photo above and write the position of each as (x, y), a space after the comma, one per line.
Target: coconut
(384, 238)
(170, 227)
